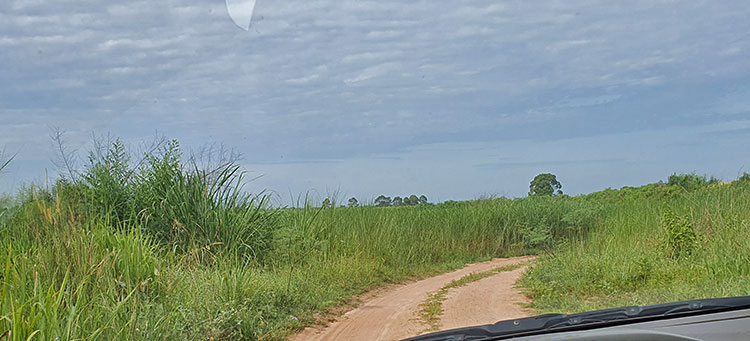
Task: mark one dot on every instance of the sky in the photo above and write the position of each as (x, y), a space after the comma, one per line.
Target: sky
(360, 98)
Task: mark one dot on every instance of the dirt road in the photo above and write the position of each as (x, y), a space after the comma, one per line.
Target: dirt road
(393, 314)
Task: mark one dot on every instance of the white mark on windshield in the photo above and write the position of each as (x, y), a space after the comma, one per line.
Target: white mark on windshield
(241, 12)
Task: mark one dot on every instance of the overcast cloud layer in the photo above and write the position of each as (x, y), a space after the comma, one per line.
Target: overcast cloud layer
(370, 97)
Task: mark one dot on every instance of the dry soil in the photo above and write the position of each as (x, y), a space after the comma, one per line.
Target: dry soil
(392, 314)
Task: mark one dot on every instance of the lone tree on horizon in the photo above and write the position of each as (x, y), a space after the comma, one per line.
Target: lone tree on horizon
(545, 184)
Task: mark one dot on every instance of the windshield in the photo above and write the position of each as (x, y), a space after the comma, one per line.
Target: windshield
(305, 152)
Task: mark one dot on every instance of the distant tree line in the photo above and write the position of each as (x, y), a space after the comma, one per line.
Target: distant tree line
(382, 201)
(544, 184)
(412, 200)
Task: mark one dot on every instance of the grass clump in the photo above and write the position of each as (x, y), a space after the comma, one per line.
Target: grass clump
(681, 239)
(195, 212)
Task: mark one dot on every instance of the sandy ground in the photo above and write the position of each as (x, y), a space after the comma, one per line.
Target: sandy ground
(392, 314)
(485, 301)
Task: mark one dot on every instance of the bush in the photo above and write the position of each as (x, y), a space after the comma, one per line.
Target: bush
(690, 182)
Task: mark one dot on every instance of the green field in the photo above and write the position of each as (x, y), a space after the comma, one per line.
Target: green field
(159, 248)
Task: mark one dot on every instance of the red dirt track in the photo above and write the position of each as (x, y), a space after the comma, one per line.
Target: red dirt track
(392, 314)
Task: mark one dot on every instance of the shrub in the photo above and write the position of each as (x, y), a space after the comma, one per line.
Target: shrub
(690, 182)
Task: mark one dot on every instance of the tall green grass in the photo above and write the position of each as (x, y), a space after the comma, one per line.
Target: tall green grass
(652, 250)
(122, 283)
(156, 247)
(404, 236)
(163, 249)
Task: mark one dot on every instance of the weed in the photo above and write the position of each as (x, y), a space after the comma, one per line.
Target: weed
(681, 239)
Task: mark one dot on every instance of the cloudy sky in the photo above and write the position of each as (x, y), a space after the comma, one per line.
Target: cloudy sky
(393, 97)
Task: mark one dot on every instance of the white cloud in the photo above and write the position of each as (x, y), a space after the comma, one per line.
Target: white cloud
(384, 34)
(303, 80)
(371, 56)
(141, 44)
(730, 51)
(372, 72)
(567, 44)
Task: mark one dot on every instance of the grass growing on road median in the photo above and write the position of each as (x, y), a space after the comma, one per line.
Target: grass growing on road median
(432, 308)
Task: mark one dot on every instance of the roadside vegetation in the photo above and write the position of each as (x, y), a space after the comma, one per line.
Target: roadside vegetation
(155, 246)
(680, 240)
(163, 246)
